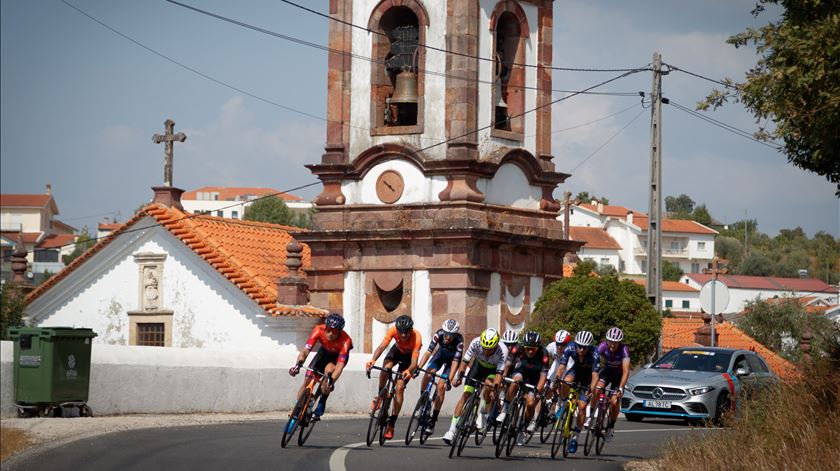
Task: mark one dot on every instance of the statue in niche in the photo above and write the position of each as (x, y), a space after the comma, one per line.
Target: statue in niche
(151, 292)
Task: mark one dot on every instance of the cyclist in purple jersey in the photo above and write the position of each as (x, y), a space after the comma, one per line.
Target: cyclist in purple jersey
(615, 361)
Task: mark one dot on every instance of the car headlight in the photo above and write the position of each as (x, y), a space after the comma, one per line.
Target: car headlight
(701, 391)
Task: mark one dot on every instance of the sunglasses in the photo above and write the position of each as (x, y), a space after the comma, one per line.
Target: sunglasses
(530, 349)
(331, 331)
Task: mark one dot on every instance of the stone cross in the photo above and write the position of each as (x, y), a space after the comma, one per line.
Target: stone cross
(169, 138)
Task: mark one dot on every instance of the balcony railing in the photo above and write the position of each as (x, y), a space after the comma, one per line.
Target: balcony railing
(675, 252)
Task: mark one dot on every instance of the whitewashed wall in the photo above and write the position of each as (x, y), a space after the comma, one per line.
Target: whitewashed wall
(509, 187)
(418, 188)
(596, 255)
(677, 298)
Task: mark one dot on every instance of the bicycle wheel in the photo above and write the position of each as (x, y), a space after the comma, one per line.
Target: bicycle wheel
(417, 420)
(600, 437)
(467, 424)
(294, 419)
(513, 427)
(571, 417)
(503, 430)
(383, 419)
(309, 419)
(590, 437)
(559, 424)
(547, 419)
(373, 425)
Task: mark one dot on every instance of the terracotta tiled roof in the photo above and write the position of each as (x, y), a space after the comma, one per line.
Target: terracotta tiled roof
(56, 241)
(671, 286)
(25, 201)
(62, 225)
(110, 226)
(802, 285)
(679, 332)
(28, 237)
(612, 211)
(593, 237)
(229, 193)
(676, 225)
(251, 255)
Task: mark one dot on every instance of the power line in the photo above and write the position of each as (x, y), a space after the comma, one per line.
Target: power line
(720, 124)
(607, 141)
(727, 85)
(590, 122)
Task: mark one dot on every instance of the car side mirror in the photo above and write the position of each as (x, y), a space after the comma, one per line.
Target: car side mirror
(647, 365)
(742, 372)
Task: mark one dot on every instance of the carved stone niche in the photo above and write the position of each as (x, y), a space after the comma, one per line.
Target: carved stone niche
(150, 297)
(387, 295)
(515, 300)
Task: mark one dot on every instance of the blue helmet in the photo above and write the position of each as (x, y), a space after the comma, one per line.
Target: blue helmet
(334, 321)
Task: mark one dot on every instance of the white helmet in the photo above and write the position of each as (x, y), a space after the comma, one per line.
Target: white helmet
(584, 338)
(562, 337)
(615, 335)
(450, 326)
(510, 336)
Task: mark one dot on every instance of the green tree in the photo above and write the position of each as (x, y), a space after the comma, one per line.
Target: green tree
(671, 271)
(584, 197)
(584, 268)
(795, 83)
(679, 207)
(83, 242)
(779, 327)
(274, 210)
(756, 264)
(729, 248)
(701, 214)
(12, 307)
(606, 270)
(593, 303)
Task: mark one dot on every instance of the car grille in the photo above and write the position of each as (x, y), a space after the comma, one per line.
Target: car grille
(668, 394)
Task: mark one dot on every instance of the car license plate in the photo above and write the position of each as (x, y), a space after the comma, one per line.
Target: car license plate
(658, 404)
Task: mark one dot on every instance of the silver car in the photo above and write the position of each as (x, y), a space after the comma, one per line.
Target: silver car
(695, 383)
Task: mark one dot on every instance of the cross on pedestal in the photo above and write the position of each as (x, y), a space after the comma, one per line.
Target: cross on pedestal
(169, 138)
(714, 271)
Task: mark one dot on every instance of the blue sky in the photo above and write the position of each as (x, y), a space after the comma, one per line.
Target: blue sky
(79, 105)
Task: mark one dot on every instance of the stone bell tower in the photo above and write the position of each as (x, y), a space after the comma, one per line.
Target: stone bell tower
(438, 180)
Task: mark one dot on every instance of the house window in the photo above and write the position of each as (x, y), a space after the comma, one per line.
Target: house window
(669, 303)
(234, 214)
(508, 99)
(46, 255)
(151, 334)
(644, 266)
(397, 77)
(701, 246)
(621, 266)
(695, 268)
(675, 245)
(685, 304)
(7, 255)
(221, 214)
(605, 261)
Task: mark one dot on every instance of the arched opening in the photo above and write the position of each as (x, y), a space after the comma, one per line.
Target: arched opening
(510, 29)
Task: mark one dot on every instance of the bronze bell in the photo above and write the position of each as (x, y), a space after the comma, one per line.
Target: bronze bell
(500, 101)
(405, 90)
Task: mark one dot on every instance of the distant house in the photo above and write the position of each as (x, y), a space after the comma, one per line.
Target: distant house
(678, 297)
(599, 246)
(744, 288)
(688, 244)
(171, 279)
(221, 200)
(31, 218)
(104, 229)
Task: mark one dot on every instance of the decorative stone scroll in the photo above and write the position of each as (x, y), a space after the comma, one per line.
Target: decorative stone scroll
(515, 305)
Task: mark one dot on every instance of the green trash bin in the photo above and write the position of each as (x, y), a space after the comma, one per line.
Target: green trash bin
(52, 370)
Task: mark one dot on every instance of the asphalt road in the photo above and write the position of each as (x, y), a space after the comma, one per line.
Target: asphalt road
(335, 444)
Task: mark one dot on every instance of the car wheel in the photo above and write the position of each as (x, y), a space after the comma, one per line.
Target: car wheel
(722, 407)
(634, 417)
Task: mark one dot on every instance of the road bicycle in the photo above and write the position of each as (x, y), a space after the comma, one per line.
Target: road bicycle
(302, 416)
(422, 416)
(566, 417)
(595, 431)
(382, 404)
(513, 423)
(547, 415)
(466, 424)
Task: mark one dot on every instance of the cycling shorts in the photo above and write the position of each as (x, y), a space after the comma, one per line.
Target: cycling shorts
(478, 373)
(582, 375)
(397, 357)
(321, 360)
(528, 376)
(610, 377)
(441, 360)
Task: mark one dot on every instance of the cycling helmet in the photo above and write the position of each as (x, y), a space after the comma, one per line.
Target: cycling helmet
(489, 338)
(531, 339)
(615, 335)
(404, 324)
(510, 337)
(450, 326)
(334, 321)
(562, 337)
(584, 338)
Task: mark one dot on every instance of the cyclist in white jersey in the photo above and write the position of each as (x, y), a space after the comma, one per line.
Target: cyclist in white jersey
(486, 358)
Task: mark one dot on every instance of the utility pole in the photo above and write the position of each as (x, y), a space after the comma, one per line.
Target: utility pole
(654, 265)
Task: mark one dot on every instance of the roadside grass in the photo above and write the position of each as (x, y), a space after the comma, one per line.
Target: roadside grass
(795, 426)
(12, 441)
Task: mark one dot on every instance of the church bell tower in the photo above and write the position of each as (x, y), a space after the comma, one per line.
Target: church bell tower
(437, 172)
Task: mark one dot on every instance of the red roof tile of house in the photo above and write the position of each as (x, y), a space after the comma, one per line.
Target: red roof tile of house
(671, 286)
(679, 332)
(593, 238)
(229, 193)
(802, 285)
(28, 237)
(58, 225)
(28, 201)
(676, 225)
(55, 241)
(612, 211)
(251, 255)
(113, 226)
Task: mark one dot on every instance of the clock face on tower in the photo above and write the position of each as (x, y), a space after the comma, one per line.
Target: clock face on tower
(389, 186)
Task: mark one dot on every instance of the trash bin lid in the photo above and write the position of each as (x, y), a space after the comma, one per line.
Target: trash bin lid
(50, 332)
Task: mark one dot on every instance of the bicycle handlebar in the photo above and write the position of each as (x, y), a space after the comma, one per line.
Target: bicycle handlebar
(388, 370)
(520, 382)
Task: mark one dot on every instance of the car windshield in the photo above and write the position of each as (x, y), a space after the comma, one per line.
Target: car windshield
(694, 360)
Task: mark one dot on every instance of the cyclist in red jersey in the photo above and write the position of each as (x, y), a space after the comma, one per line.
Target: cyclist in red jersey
(330, 359)
(405, 353)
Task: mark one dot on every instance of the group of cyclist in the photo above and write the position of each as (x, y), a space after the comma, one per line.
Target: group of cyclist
(490, 357)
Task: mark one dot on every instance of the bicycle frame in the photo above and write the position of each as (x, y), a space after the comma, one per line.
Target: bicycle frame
(567, 415)
(595, 432)
(379, 415)
(422, 411)
(512, 424)
(301, 417)
(466, 424)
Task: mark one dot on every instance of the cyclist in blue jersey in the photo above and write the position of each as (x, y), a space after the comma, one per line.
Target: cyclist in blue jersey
(445, 350)
(580, 363)
(615, 363)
